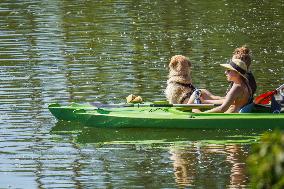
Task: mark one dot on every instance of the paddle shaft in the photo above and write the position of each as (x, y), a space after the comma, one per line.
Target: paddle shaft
(99, 105)
(280, 87)
(180, 105)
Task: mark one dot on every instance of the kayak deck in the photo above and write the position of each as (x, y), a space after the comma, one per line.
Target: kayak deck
(163, 118)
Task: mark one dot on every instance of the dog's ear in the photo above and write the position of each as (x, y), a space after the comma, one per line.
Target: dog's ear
(173, 63)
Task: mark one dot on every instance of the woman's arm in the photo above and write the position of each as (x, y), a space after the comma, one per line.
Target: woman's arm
(228, 101)
(207, 95)
(206, 98)
(221, 101)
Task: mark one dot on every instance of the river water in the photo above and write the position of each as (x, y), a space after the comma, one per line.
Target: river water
(83, 51)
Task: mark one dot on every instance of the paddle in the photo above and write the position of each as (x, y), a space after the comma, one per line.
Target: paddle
(265, 98)
(158, 105)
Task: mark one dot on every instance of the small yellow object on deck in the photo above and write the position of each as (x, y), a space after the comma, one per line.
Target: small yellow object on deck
(133, 99)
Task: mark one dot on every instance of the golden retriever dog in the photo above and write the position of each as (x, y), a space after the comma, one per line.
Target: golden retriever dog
(179, 84)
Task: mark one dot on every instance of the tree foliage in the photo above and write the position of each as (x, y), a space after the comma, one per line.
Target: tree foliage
(266, 163)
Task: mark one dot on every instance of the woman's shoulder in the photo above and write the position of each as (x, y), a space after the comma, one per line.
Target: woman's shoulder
(237, 86)
(235, 90)
(238, 89)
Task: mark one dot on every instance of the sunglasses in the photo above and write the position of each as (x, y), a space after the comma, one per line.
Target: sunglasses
(228, 71)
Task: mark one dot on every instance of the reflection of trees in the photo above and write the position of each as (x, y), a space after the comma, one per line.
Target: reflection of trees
(56, 167)
(109, 46)
(34, 54)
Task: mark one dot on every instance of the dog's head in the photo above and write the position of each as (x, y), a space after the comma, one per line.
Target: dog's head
(179, 74)
(179, 65)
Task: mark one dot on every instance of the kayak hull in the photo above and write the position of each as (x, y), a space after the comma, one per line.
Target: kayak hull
(192, 121)
(148, 117)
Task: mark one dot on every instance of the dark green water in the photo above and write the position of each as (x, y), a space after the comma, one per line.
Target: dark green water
(83, 51)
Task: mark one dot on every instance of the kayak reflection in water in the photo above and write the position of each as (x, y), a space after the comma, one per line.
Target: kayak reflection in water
(239, 94)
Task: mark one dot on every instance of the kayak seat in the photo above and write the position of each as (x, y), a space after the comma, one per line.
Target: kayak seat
(247, 108)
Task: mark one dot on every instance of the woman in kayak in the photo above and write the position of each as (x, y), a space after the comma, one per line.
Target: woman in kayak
(242, 53)
(238, 95)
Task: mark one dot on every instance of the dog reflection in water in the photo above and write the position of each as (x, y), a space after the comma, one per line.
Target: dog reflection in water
(184, 161)
(196, 165)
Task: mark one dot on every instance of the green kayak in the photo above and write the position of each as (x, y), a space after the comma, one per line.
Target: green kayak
(165, 117)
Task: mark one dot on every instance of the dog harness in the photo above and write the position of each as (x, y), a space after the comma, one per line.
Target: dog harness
(187, 95)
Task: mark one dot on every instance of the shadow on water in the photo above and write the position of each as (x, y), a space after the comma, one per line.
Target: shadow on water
(161, 136)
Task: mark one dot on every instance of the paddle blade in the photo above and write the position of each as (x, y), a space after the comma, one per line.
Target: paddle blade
(265, 98)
